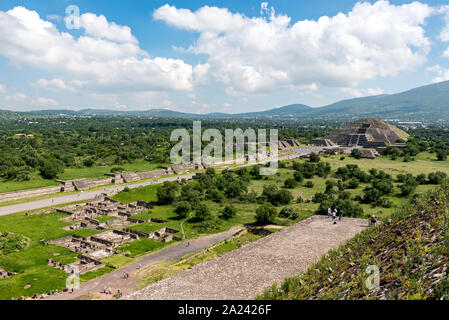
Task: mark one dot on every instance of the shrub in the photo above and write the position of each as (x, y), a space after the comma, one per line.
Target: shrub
(183, 209)
(229, 212)
(289, 212)
(347, 207)
(290, 183)
(441, 155)
(166, 194)
(298, 176)
(356, 154)
(211, 225)
(117, 169)
(309, 184)
(314, 157)
(436, 177)
(202, 212)
(266, 214)
(51, 169)
(353, 184)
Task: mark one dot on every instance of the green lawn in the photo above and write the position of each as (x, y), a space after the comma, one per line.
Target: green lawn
(30, 264)
(142, 246)
(147, 227)
(105, 218)
(35, 181)
(96, 172)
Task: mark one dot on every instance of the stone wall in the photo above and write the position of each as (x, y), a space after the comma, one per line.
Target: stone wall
(29, 193)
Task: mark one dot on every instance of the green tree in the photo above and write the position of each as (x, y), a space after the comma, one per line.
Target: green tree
(356, 154)
(266, 214)
(51, 169)
(203, 212)
(314, 157)
(166, 194)
(441, 155)
(229, 212)
(183, 209)
(290, 183)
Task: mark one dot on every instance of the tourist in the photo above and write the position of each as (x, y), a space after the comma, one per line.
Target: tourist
(334, 214)
(340, 215)
(329, 211)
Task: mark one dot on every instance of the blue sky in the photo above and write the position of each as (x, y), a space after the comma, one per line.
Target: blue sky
(216, 56)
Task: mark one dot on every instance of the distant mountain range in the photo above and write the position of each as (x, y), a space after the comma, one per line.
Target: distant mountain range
(427, 103)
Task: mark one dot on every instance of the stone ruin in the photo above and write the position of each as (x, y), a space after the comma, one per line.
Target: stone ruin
(4, 274)
(289, 143)
(164, 234)
(375, 134)
(94, 248)
(85, 214)
(367, 133)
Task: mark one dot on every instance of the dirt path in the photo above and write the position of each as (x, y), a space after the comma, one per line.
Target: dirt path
(115, 279)
(246, 272)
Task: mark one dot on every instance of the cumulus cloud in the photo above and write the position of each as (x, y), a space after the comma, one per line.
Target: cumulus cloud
(442, 74)
(54, 84)
(107, 58)
(99, 27)
(358, 93)
(444, 34)
(2, 89)
(267, 53)
(17, 97)
(44, 102)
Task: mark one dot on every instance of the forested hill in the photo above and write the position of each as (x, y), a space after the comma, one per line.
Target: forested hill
(411, 252)
(427, 103)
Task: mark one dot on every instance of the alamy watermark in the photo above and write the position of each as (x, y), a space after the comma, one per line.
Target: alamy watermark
(373, 280)
(72, 18)
(73, 280)
(189, 149)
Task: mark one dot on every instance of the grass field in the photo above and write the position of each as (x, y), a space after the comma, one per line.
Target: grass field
(96, 172)
(30, 264)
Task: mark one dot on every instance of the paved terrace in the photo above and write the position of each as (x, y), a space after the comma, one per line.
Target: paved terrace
(86, 195)
(244, 273)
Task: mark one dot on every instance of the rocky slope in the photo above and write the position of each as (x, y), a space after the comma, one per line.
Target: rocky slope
(411, 251)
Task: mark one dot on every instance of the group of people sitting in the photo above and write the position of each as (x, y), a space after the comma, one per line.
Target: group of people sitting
(372, 220)
(335, 214)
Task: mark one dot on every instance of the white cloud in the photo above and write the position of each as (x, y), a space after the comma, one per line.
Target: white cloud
(442, 74)
(53, 84)
(106, 58)
(2, 89)
(358, 93)
(99, 27)
(17, 97)
(444, 34)
(44, 102)
(263, 54)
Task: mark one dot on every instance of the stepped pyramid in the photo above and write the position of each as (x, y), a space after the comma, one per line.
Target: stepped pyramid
(368, 133)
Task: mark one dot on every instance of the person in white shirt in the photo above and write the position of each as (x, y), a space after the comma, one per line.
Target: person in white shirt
(334, 214)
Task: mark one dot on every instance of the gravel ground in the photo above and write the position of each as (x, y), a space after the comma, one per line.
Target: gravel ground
(246, 272)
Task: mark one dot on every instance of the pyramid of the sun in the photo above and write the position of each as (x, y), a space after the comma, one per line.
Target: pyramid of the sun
(368, 133)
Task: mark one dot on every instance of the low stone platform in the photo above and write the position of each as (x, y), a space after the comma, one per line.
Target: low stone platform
(244, 273)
